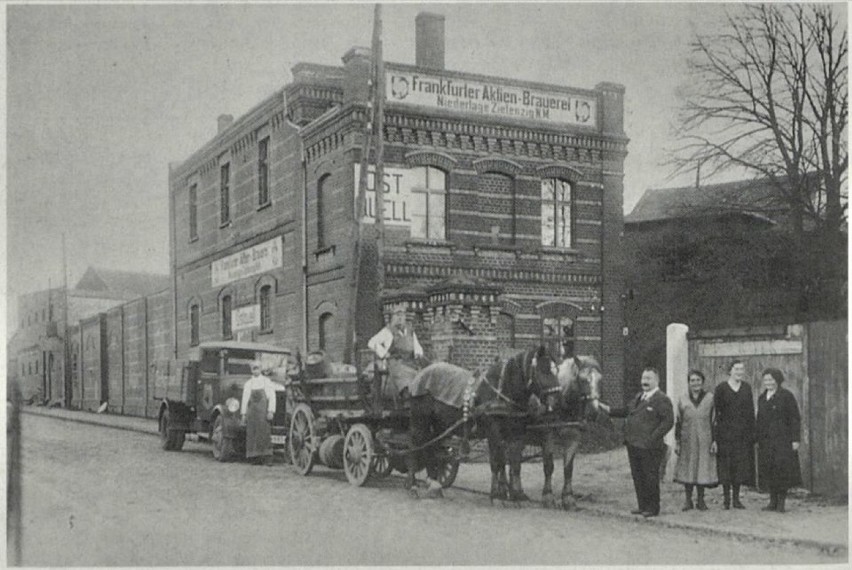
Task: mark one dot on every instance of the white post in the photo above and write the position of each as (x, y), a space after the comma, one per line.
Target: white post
(677, 366)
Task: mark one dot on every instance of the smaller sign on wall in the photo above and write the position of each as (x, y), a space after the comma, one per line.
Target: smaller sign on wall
(247, 317)
(252, 261)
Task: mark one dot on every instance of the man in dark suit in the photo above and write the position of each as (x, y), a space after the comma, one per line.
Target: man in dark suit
(650, 416)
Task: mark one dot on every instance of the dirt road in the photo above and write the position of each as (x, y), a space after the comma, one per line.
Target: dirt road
(97, 496)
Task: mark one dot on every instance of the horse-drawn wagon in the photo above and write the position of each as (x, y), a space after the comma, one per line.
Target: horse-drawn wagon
(341, 419)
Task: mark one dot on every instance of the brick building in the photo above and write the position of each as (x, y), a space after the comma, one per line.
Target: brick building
(502, 206)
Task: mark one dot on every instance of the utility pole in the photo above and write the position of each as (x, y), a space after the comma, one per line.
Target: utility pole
(372, 135)
(378, 133)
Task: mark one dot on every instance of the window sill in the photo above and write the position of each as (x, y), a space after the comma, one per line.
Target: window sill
(265, 205)
(193, 239)
(325, 252)
(223, 225)
(268, 331)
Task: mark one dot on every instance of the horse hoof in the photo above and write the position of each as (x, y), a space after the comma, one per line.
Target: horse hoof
(568, 503)
(548, 501)
(519, 497)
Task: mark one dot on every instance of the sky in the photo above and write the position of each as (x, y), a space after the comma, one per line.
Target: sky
(101, 98)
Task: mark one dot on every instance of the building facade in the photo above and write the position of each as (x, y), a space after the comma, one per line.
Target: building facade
(502, 204)
(37, 348)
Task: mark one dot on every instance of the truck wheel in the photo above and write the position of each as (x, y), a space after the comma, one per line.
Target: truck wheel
(170, 439)
(301, 441)
(223, 448)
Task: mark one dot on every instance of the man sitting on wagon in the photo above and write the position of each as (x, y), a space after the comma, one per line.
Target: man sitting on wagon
(397, 344)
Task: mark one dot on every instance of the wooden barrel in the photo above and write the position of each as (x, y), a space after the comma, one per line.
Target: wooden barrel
(317, 365)
(331, 451)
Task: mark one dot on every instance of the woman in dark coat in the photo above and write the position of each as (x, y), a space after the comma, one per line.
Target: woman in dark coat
(778, 429)
(734, 434)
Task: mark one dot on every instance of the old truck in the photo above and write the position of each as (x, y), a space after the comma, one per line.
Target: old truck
(202, 395)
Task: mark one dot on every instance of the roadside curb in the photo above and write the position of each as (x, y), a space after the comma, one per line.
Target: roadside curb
(828, 548)
(96, 421)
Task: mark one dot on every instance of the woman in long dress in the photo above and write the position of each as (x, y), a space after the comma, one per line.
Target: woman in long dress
(778, 435)
(734, 434)
(696, 466)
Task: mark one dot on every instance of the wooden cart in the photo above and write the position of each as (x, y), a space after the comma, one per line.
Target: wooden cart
(340, 420)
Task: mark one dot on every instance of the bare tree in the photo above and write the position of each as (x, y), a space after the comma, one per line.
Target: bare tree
(768, 95)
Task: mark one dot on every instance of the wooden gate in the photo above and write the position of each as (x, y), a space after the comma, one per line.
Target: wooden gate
(813, 358)
(780, 347)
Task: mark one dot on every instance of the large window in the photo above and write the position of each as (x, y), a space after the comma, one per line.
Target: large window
(558, 335)
(556, 213)
(225, 194)
(193, 325)
(226, 317)
(265, 308)
(263, 172)
(429, 203)
(193, 212)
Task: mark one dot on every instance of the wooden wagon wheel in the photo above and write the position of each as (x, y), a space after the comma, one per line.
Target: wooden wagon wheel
(381, 466)
(301, 439)
(358, 453)
(449, 468)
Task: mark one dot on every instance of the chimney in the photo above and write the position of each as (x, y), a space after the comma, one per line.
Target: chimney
(429, 40)
(225, 121)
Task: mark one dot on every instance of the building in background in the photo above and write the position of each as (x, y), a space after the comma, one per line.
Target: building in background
(502, 214)
(36, 350)
(716, 257)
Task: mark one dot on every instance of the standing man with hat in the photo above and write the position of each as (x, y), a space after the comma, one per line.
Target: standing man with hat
(398, 344)
(650, 416)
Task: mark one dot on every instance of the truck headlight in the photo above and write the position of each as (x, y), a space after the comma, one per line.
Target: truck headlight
(233, 405)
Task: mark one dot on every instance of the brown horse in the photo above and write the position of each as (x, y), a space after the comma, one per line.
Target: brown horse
(576, 401)
(511, 391)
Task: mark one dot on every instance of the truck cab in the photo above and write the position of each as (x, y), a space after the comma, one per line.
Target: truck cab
(204, 393)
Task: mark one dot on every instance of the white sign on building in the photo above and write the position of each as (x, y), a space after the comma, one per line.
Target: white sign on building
(397, 195)
(489, 99)
(247, 317)
(255, 260)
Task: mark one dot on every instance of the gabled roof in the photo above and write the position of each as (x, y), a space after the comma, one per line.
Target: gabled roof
(124, 284)
(755, 198)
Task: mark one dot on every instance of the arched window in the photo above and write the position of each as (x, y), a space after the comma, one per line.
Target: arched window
(323, 205)
(193, 325)
(557, 213)
(265, 308)
(226, 317)
(557, 333)
(325, 327)
(428, 203)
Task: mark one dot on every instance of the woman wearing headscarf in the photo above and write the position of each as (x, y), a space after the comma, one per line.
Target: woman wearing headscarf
(696, 466)
(778, 434)
(734, 434)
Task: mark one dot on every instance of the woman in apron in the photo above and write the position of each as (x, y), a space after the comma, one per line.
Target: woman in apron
(258, 408)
